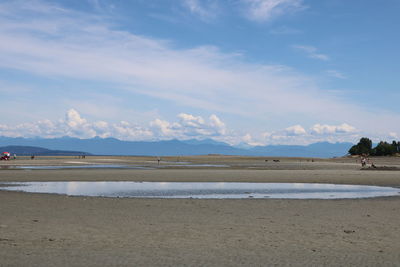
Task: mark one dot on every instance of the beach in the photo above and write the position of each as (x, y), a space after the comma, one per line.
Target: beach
(57, 230)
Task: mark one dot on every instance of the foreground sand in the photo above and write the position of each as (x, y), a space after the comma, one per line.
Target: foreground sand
(52, 230)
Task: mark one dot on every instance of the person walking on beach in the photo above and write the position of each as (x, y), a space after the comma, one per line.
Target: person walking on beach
(363, 162)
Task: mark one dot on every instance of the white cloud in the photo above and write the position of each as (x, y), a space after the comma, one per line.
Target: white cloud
(189, 126)
(73, 119)
(248, 139)
(164, 128)
(311, 52)
(393, 135)
(186, 127)
(332, 129)
(127, 131)
(264, 10)
(298, 135)
(295, 130)
(217, 124)
(74, 125)
(190, 120)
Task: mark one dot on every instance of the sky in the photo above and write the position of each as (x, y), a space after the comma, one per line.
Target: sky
(250, 72)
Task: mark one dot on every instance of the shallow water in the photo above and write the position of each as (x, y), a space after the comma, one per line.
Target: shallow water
(92, 166)
(109, 166)
(195, 165)
(204, 190)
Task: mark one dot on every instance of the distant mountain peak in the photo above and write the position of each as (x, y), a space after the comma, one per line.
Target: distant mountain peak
(207, 141)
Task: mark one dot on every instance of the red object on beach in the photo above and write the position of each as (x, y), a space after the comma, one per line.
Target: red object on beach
(5, 156)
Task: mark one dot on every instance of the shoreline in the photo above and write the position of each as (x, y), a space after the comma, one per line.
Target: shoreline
(356, 177)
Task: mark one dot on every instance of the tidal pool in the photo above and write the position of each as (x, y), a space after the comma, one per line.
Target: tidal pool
(204, 190)
(92, 166)
(195, 165)
(109, 166)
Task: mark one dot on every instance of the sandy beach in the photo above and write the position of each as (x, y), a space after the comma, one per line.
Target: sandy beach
(57, 230)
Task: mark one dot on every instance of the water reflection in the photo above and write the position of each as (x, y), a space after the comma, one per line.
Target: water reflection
(209, 190)
(111, 166)
(92, 166)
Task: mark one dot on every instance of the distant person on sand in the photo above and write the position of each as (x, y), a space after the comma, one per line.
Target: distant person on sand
(363, 162)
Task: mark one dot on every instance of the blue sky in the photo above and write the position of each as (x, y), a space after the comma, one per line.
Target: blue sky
(240, 71)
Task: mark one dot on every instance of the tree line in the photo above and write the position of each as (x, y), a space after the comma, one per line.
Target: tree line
(383, 148)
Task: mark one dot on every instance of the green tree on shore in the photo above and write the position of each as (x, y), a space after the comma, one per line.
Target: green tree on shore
(364, 147)
(396, 146)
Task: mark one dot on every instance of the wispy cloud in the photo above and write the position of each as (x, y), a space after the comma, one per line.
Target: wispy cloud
(265, 10)
(311, 52)
(336, 74)
(202, 77)
(53, 42)
(205, 9)
(101, 6)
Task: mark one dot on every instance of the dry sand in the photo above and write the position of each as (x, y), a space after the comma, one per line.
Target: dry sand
(55, 230)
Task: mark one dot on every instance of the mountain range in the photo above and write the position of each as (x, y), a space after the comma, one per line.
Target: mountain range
(39, 151)
(112, 146)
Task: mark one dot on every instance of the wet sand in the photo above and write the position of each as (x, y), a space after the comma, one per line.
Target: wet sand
(55, 230)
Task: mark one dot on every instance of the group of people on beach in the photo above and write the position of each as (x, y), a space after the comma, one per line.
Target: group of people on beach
(365, 160)
(7, 156)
